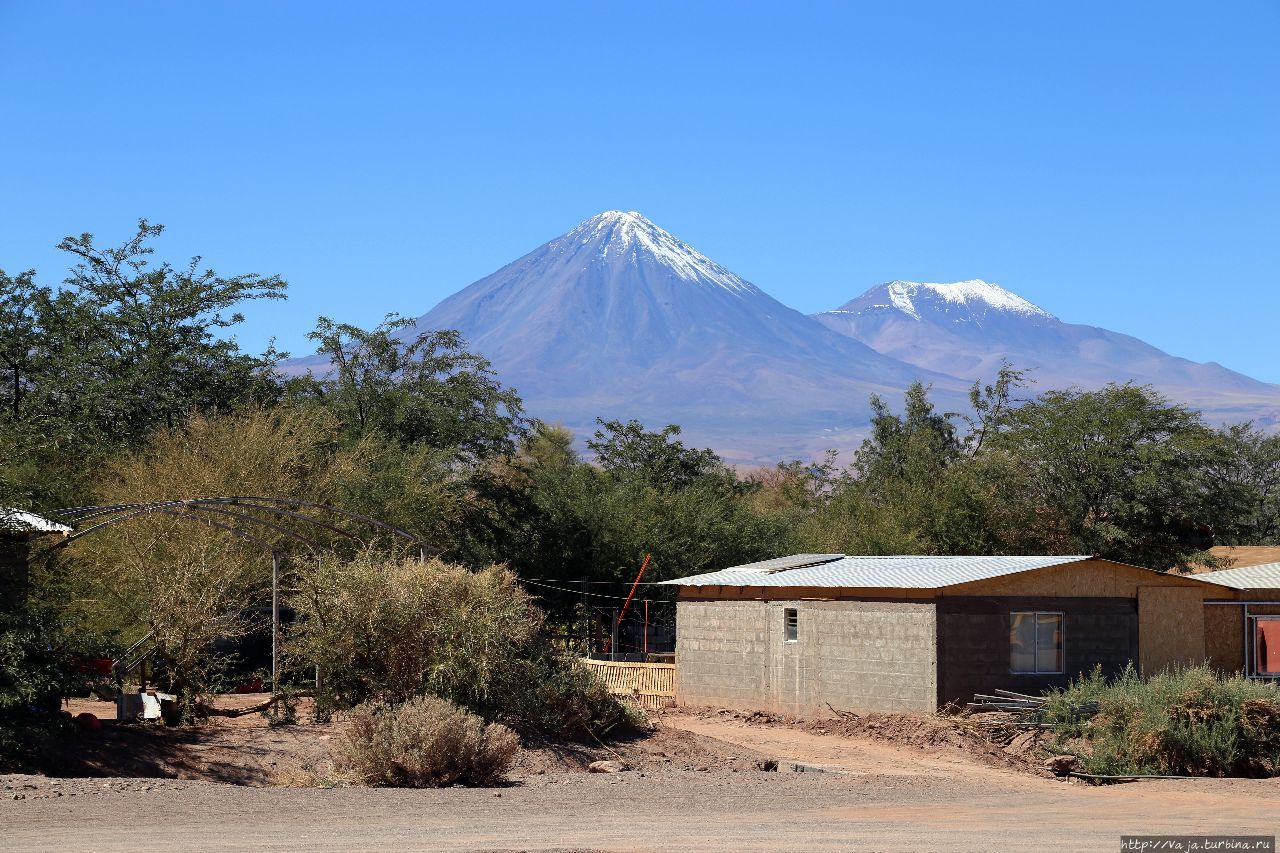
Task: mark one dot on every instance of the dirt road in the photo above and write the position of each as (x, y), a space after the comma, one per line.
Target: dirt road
(876, 798)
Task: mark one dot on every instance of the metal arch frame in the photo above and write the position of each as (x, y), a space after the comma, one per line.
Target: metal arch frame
(184, 508)
(187, 509)
(280, 506)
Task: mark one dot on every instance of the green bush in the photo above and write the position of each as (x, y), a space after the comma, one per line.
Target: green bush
(555, 694)
(424, 743)
(1190, 722)
(33, 680)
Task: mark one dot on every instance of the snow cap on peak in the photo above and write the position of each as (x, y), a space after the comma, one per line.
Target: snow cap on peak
(629, 234)
(972, 294)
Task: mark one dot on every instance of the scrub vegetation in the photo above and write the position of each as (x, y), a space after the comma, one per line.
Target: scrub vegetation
(1190, 722)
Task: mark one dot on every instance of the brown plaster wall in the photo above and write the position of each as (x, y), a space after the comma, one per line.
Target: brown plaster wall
(1170, 628)
(1087, 578)
(1224, 628)
(1224, 636)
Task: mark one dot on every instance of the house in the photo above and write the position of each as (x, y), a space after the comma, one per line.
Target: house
(1242, 624)
(17, 529)
(800, 633)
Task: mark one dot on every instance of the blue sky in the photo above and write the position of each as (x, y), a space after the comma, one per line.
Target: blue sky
(1117, 163)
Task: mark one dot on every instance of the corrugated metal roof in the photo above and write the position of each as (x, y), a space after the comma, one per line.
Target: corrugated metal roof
(879, 572)
(1265, 576)
(780, 564)
(21, 521)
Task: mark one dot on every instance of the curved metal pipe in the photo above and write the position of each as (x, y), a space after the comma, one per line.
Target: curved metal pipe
(314, 546)
(84, 513)
(80, 534)
(200, 502)
(403, 534)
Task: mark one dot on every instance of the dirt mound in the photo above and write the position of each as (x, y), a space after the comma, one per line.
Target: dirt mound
(657, 747)
(990, 739)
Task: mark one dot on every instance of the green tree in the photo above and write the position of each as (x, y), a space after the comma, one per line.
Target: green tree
(130, 345)
(423, 388)
(1249, 473)
(912, 488)
(20, 301)
(1119, 472)
(125, 346)
(658, 458)
(916, 444)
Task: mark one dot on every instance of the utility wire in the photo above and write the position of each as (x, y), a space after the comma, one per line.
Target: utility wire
(576, 581)
(580, 592)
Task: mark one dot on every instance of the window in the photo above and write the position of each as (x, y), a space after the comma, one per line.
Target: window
(1266, 645)
(791, 624)
(1035, 643)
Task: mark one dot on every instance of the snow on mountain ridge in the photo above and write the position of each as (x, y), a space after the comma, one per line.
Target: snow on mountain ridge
(629, 232)
(971, 294)
(909, 297)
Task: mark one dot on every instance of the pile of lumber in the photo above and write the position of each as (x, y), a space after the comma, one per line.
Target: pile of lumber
(1018, 710)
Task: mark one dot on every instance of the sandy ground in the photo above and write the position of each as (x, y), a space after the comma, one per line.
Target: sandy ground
(695, 787)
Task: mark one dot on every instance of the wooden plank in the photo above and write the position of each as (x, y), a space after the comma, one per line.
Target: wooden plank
(649, 685)
(1170, 628)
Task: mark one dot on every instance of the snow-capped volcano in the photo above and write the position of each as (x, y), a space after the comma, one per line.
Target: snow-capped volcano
(958, 301)
(967, 328)
(618, 318)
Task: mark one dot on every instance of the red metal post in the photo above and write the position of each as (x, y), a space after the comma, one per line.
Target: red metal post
(646, 629)
(625, 604)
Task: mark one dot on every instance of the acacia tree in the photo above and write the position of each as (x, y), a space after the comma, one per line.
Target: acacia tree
(20, 298)
(912, 488)
(127, 345)
(418, 389)
(1119, 472)
(658, 458)
(1249, 474)
(149, 335)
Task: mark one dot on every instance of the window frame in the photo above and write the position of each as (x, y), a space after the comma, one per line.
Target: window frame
(1062, 642)
(1254, 670)
(791, 624)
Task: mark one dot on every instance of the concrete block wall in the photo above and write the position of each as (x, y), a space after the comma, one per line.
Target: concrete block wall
(856, 655)
(722, 653)
(871, 656)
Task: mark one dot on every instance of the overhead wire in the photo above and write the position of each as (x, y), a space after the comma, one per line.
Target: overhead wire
(578, 591)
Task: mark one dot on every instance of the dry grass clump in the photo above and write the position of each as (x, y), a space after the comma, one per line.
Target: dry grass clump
(425, 742)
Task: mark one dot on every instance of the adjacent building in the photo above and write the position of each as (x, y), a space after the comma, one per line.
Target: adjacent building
(804, 633)
(1242, 627)
(17, 530)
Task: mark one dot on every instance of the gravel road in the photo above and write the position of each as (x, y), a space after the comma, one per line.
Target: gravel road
(873, 797)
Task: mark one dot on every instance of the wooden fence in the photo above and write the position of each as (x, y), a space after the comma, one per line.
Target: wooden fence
(649, 685)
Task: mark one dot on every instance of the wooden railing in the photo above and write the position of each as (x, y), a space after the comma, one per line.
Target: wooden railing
(649, 685)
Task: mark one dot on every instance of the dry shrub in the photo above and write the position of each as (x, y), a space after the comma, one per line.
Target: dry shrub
(424, 743)
(393, 629)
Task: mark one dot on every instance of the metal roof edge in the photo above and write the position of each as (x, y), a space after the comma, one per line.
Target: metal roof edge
(1062, 560)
